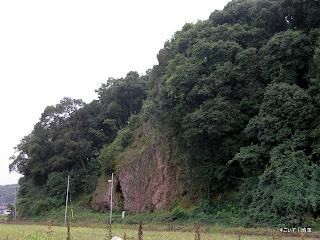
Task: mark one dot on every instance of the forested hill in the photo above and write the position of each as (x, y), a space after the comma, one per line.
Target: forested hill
(237, 98)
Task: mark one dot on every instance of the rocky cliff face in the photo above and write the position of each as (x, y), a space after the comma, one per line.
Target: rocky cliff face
(101, 197)
(145, 178)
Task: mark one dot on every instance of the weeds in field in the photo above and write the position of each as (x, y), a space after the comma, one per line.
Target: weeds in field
(68, 233)
(277, 236)
(140, 234)
(109, 231)
(49, 231)
(197, 236)
(239, 235)
(36, 232)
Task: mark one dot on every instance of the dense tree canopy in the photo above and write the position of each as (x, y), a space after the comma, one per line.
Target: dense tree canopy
(67, 141)
(238, 93)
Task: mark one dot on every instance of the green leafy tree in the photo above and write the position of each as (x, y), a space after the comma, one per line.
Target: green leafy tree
(123, 97)
(279, 157)
(287, 188)
(285, 57)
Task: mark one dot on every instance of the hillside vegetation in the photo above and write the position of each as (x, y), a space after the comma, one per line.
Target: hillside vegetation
(237, 98)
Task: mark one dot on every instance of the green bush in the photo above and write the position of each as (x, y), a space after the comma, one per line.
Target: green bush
(134, 122)
(177, 213)
(126, 137)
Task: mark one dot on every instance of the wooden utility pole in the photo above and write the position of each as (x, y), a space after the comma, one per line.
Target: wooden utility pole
(15, 205)
(111, 198)
(67, 198)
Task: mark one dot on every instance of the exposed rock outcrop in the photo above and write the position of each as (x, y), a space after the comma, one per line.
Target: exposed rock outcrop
(101, 196)
(146, 178)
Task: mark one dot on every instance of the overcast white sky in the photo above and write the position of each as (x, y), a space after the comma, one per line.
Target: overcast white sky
(67, 48)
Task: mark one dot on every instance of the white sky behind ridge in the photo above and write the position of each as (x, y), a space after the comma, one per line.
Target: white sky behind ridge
(67, 48)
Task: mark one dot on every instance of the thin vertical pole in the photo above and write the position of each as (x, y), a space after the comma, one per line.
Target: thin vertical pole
(65, 213)
(111, 198)
(2, 211)
(15, 204)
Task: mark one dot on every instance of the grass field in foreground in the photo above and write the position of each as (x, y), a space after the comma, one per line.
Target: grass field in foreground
(26, 232)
